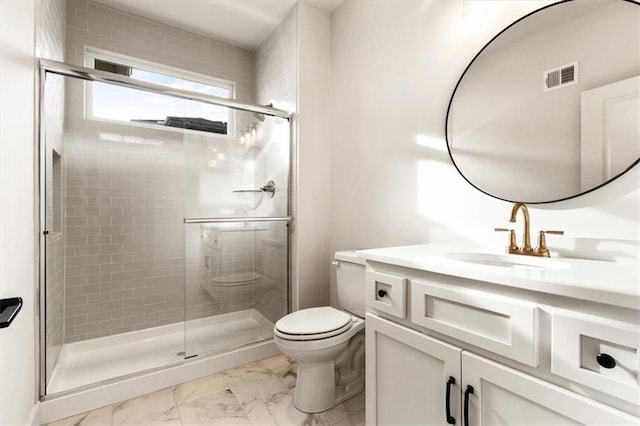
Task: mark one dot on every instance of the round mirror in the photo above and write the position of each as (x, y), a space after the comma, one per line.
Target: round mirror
(550, 107)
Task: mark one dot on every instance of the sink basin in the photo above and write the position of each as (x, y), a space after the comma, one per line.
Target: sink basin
(508, 260)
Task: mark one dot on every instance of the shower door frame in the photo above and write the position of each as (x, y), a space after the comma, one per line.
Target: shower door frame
(90, 74)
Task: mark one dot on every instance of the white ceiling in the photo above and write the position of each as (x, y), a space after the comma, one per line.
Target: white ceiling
(244, 23)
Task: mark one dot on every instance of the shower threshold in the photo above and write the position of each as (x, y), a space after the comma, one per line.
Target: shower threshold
(93, 361)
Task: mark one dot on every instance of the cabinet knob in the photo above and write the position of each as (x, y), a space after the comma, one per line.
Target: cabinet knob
(382, 293)
(606, 360)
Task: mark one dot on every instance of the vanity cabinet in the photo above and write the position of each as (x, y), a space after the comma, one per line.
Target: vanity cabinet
(449, 341)
(410, 377)
(499, 395)
(407, 376)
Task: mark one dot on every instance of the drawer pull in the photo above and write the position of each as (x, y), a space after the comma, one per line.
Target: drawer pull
(450, 419)
(382, 293)
(467, 391)
(606, 360)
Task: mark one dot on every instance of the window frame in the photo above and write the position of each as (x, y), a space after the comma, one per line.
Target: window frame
(91, 54)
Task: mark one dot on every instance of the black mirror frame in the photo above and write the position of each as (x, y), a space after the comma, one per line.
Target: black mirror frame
(446, 127)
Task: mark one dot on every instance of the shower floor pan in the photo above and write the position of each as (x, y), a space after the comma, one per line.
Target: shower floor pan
(92, 361)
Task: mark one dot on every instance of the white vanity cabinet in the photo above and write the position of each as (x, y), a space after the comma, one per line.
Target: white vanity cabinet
(497, 395)
(410, 376)
(448, 343)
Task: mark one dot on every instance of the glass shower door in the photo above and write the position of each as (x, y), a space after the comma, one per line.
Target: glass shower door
(113, 192)
(236, 233)
(164, 235)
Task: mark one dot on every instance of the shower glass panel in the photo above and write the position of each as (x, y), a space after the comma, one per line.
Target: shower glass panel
(115, 195)
(129, 285)
(236, 234)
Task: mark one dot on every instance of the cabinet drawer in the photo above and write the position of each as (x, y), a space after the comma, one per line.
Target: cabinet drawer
(387, 293)
(505, 326)
(576, 341)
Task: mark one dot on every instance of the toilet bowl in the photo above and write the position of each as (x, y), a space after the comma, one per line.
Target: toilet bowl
(328, 343)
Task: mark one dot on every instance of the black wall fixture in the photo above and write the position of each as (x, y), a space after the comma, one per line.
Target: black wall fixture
(9, 309)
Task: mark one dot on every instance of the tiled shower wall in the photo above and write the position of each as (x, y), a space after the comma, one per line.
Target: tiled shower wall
(127, 188)
(126, 185)
(50, 44)
(95, 25)
(276, 77)
(124, 205)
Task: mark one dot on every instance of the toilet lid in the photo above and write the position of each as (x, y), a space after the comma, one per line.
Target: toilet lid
(325, 321)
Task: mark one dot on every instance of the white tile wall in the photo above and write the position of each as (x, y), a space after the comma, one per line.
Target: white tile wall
(124, 231)
(95, 25)
(276, 82)
(276, 65)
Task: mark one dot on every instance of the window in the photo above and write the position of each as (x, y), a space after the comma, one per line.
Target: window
(109, 102)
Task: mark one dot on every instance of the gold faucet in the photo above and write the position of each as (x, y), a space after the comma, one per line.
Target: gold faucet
(526, 249)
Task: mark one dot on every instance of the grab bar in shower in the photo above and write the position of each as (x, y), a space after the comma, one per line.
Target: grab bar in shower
(191, 220)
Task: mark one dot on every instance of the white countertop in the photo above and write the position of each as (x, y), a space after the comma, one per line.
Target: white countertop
(613, 283)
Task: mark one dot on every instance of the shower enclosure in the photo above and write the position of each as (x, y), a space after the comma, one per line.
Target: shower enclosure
(165, 225)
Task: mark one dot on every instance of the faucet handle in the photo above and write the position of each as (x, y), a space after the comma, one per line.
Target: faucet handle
(513, 247)
(542, 249)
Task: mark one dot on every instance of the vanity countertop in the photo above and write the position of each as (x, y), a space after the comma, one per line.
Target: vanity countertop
(613, 283)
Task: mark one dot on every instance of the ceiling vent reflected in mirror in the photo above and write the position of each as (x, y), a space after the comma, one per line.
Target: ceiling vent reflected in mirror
(560, 77)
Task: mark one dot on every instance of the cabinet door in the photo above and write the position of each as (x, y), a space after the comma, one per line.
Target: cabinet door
(407, 375)
(503, 396)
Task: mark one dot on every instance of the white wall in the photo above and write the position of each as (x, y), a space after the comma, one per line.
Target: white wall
(17, 227)
(313, 197)
(394, 66)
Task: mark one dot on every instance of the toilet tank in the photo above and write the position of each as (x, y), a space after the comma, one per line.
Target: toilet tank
(350, 279)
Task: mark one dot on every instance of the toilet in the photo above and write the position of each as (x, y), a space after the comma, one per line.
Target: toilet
(328, 343)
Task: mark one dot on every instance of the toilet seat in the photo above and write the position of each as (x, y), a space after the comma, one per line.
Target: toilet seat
(313, 324)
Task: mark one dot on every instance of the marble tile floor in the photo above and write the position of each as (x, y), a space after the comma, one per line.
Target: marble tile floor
(260, 393)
